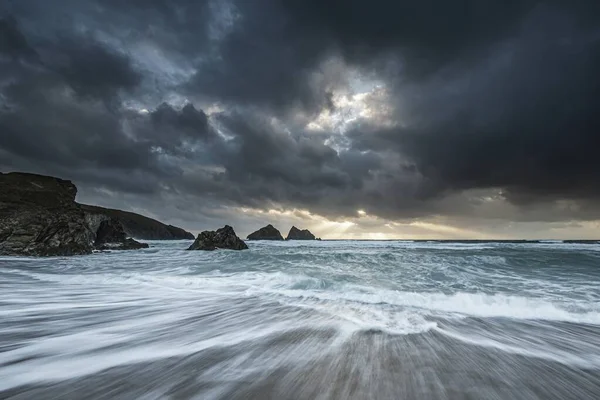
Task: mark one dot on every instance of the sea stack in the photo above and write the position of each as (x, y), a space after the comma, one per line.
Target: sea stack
(297, 234)
(39, 217)
(268, 232)
(224, 238)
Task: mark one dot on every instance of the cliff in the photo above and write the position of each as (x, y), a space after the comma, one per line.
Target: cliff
(39, 217)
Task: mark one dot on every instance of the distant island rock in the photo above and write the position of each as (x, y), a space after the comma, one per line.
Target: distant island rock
(224, 238)
(39, 217)
(297, 234)
(141, 227)
(268, 232)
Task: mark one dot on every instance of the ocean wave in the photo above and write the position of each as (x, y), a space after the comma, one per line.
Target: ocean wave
(460, 304)
(289, 305)
(310, 289)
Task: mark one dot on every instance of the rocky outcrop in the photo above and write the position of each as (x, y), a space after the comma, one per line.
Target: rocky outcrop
(224, 238)
(297, 234)
(39, 217)
(139, 226)
(268, 232)
(111, 236)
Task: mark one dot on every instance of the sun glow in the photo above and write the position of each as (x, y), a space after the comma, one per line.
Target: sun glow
(370, 104)
(362, 226)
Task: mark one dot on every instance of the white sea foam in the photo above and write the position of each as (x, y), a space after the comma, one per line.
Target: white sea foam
(280, 285)
(68, 356)
(459, 304)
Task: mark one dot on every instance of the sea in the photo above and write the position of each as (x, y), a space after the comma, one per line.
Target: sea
(305, 320)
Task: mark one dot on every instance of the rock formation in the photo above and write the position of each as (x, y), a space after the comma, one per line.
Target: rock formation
(39, 217)
(139, 226)
(268, 232)
(297, 234)
(224, 238)
(111, 236)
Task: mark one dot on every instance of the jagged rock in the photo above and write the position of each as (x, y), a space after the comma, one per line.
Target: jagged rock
(39, 217)
(138, 226)
(224, 238)
(109, 231)
(297, 234)
(111, 236)
(268, 232)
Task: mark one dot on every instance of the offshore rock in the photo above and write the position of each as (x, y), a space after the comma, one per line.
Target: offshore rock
(224, 238)
(268, 232)
(297, 234)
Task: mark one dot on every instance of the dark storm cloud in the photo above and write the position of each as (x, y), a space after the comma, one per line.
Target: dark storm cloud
(275, 49)
(58, 130)
(12, 41)
(421, 34)
(63, 115)
(92, 69)
(265, 60)
(177, 26)
(523, 119)
(80, 61)
(264, 163)
(496, 94)
(262, 150)
(188, 121)
(482, 95)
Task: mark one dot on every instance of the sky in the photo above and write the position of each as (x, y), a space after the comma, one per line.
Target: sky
(355, 119)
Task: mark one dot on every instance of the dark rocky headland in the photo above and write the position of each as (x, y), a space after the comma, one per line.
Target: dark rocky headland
(141, 227)
(39, 217)
(268, 232)
(224, 238)
(297, 234)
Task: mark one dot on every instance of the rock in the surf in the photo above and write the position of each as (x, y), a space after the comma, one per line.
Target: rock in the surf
(223, 238)
(268, 232)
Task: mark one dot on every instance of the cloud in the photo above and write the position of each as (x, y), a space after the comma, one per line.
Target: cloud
(478, 111)
(92, 69)
(188, 121)
(522, 119)
(12, 42)
(63, 114)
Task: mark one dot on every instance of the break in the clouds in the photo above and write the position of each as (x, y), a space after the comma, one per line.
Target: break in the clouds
(354, 118)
